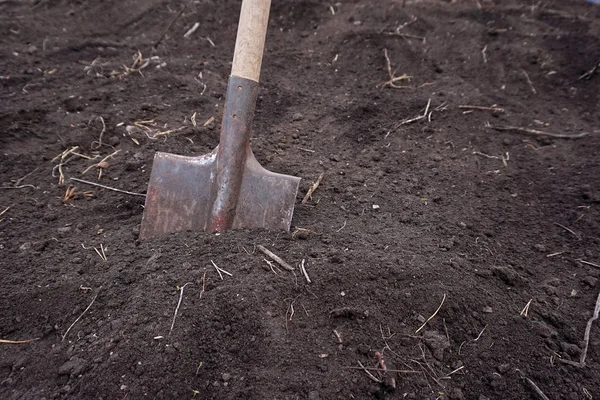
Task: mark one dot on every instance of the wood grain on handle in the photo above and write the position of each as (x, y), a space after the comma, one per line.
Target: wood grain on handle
(250, 42)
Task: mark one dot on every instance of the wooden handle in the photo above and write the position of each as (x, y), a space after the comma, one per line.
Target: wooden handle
(250, 42)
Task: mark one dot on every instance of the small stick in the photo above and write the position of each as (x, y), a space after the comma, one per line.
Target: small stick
(23, 178)
(107, 187)
(101, 164)
(480, 333)
(586, 337)
(533, 386)
(568, 230)
(492, 108)
(526, 308)
(275, 258)
(192, 30)
(312, 189)
(78, 318)
(370, 375)
(537, 132)
(219, 270)
(529, 82)
(208, 121)
(483, 54)
(486, 155)
(4, 341)
(203, 283)
(338, 336)
(393, 78)
(453, 372)
(177, 308)
(99, 142)
(587, 262)
(168, 27)
(303, 269)
(590, 73)
(417, 118)
(399, 371)
(432, 315)
(4, 211)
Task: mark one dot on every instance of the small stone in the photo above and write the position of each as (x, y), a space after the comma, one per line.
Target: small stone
(74, 366)
(590, 281)
(420, 318)
(226, 377)
(64, 230)
(25, 246)
(375, 207)
(123, 387)
(31, 49)
(503, 368)
(540, 247)
(457, 394)
(488, 310)
(313, 395)
(297, 117)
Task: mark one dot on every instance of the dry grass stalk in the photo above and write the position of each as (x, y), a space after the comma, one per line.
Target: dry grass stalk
(392, 75)
(312, 189)
(275, 258)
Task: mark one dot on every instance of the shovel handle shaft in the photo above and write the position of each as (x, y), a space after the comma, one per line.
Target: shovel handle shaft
(250, 42)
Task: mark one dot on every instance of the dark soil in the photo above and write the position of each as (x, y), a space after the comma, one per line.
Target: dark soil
(407, 214)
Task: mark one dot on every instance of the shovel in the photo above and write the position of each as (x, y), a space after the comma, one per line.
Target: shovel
(227, 188)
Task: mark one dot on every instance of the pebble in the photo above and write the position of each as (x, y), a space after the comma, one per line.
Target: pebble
(297, 117)
(488, 310)
(226, 377)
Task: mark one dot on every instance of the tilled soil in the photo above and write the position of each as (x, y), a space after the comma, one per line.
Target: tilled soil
(474, 217)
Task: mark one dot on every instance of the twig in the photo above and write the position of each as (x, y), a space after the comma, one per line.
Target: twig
(370, 375)
(5, 210)
(78, 318)
(533, 386)
(568, 230)
(107, 187)
(192, 30)
(586, 337)
(4, 341)
(590, 73)
(219, 270)
(483, 54)
(393, 78)
(526, 308)
(587, 262)
(312, 189)
(99, 142)
(432, 315)
(168, 27)
(399, 371)
(275, 258)
(536, 132)
(417, 118)
(303, 269)
(342, 227)
(203, 283)
(480, 333)
(23, 178)
(453, 372)
(478, 153)
(177, 308)
(529, 82)
(101, 163)
(492, 108)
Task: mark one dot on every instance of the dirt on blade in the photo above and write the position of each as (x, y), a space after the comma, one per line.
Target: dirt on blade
(452, 244)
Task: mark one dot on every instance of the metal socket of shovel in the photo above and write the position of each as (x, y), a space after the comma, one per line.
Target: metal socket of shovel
(228, 188)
